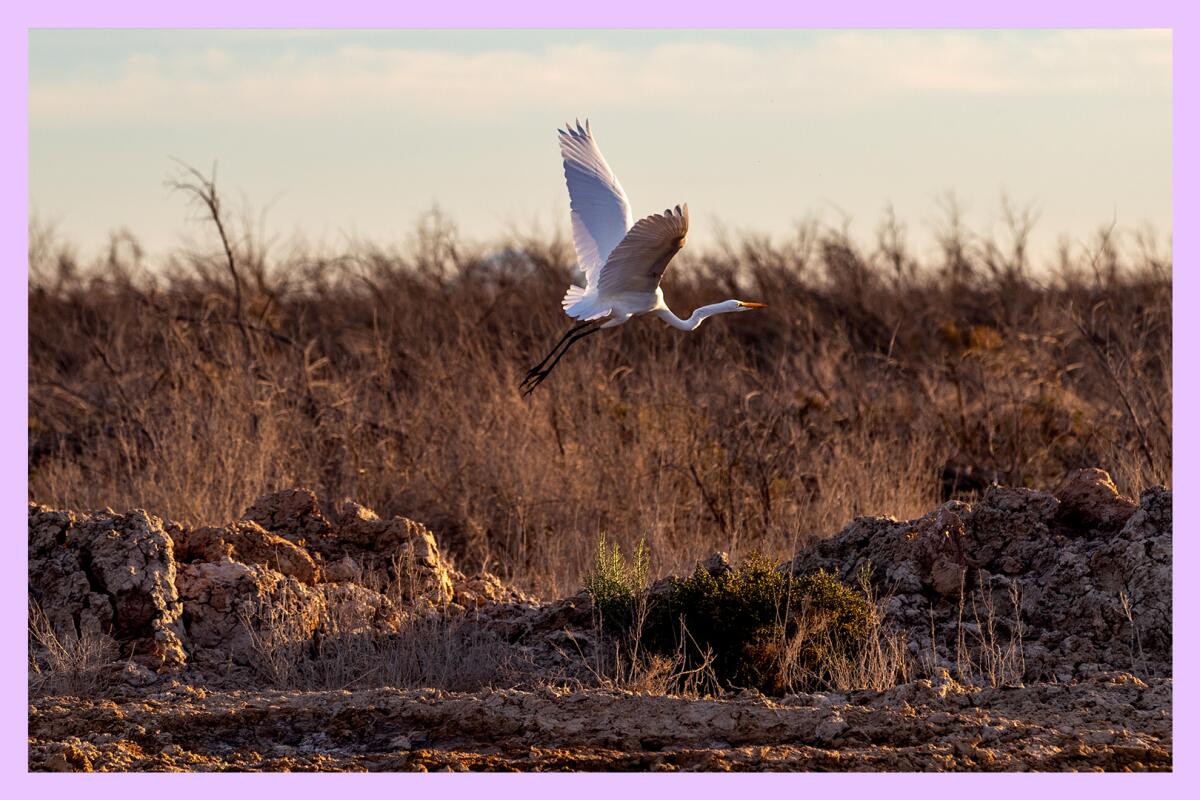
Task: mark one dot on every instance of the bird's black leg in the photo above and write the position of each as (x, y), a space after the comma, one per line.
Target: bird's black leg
(553, 350)
(540, 376)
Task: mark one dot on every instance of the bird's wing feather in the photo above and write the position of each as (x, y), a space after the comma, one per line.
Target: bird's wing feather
(638, 262)
(600, 213)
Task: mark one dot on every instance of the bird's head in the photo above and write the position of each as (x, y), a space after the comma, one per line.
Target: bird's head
(743, 306)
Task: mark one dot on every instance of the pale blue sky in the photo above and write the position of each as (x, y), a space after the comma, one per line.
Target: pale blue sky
(355, 133)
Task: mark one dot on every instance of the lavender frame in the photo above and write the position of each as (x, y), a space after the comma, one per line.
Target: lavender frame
(611, 14)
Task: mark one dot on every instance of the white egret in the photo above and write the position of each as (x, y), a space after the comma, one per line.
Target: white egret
(622, 261)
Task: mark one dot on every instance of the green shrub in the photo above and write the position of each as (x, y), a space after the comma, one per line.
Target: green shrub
(760, 626)
(753, 626)
(615, 584)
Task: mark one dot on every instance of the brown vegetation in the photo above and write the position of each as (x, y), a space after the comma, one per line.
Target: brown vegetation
(873, 384)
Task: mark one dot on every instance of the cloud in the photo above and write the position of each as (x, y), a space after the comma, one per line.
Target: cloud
(838, 68)
(834, 69)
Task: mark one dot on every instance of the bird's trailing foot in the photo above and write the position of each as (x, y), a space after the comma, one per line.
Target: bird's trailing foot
(533, 373)
(528, 382)
(532, 382)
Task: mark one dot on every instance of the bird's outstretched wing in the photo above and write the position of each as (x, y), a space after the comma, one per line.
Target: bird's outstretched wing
(600, 213)
(638, 262)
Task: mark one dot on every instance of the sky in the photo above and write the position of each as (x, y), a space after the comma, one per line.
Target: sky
(329, 137)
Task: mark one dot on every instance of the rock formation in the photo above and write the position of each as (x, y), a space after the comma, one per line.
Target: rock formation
(1090, 570)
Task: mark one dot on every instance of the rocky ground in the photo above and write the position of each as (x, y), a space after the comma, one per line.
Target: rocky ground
(286, 641)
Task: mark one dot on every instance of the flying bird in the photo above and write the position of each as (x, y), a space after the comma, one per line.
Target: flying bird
(622, 261)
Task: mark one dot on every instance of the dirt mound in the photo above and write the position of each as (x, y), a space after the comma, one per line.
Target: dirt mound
(170, 595)
(1081, 580)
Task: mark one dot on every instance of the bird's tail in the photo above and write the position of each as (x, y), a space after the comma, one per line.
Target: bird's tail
(572, 302)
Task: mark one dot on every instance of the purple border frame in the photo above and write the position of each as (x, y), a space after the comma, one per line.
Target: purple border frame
(1176, 15)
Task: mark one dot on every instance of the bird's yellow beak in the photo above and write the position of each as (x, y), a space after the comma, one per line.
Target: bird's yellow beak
(752, 305)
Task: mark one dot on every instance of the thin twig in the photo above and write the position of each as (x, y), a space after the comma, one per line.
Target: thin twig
(205, 190)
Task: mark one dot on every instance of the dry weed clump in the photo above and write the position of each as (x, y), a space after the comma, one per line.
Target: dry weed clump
(67, 662)
(344, 651)
(879, 660)
(426, 650)
(990, 649)
(873, 384)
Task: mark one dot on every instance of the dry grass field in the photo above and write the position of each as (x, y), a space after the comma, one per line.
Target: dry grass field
(875, 383)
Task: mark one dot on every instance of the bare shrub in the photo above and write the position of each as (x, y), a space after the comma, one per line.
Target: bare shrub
(67, 662)
(989, 648)
(626, 662)
(1137, 656)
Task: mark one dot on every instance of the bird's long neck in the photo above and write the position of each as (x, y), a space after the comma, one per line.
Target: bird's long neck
(699, 315)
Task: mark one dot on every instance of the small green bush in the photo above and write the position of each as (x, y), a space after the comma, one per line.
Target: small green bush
(760, 626)
(753, 626)
(615, 584)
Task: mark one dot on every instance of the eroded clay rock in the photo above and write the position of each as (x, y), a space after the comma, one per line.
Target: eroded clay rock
(352, 609)
(291, 513)
(344, 570)
(717, 564)
(235, 611)
(399, 548)
(249, 543)
(926, 555)
(1136, 565)
(1090, 501)
(398, 552)
(111, 574)
(356, 522)
(483, 589)
(224, 595)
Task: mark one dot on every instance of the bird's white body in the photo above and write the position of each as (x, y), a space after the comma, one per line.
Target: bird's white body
(622, 261)
(618, 307)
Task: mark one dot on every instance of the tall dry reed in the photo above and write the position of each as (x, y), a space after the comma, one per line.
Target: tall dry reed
(872, 384)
